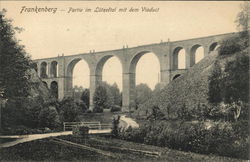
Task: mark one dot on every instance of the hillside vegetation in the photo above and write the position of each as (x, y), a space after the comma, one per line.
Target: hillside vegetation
(189, 91)
(206, 110)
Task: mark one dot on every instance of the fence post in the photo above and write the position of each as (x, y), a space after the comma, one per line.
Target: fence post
(64, 126)
(100, 127)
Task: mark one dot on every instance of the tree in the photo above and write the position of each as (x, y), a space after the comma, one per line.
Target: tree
(158, 88)
(214, 91)
(14, 61)
(236, 82)
(242, 19)
(48, 117)
(69, 110)
(100, 99)
(116, 95)
(142, 94)
(85, 99)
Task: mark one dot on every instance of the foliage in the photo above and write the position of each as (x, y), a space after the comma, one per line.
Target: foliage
(14, 62)
(69, 110)
(240, 41)
(85, 99)
(156, 114)
(107, 96)
(236, 89)
(203, 137)
(81, 130)
(115, 126)
(214, 93)
(242, 19)
(233, 45)
(115, 108)
(77, 92)
(142, 94)
(100, 99)
(114, 95)
(48, 117)
(22, 111)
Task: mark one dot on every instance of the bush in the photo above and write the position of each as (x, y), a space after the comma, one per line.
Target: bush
(233, 45)
(221, 138)
(115, 126)
(69, 110)
(115, 108)
(100, 99)
(48, 117)
(80, 130)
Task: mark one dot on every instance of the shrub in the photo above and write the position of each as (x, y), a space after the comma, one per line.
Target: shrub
(48, 117)
(232, 45)
(81, 130)
(100, 99)
(221, 138)
(85, 99)
(69, 110)
(115, 126)
(115, 108)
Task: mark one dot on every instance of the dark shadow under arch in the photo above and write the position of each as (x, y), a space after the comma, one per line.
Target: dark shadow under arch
(43, 70)
(45, 84)
(214, 47)
(176, 76)
(54, 89)
(54, 69)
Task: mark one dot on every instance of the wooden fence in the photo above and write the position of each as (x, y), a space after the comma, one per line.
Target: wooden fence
(68, 126)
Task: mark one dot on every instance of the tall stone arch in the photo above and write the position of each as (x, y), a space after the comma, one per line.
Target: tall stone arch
(69, 74)
(177, 58)
(96, 75)
(129, 80)
(44, 70)
(193, 53)
(54, 69)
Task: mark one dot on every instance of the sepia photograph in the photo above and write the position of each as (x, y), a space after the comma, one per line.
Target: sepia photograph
(139, 81)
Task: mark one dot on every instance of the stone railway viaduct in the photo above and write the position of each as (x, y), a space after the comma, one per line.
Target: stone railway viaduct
(57, 72)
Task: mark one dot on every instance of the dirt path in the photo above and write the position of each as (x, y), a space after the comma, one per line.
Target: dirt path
(32, 137)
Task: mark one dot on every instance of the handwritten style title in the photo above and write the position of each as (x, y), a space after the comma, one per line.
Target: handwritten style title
(54, 10)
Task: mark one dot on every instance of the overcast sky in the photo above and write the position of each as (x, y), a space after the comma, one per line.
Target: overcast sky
(48, 34)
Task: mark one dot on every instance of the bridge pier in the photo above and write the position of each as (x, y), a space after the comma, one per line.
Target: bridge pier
(128, 90)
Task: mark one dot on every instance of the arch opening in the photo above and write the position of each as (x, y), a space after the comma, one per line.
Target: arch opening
(78, 77)
(54, 89)
(44, 70)
(54, 69)
(45, 84)
(144, 71)
(112, 71)
(34, 66)
(214, 47)
(179, 57)
(109, 74)
(176, 76)
(197, 54)
(145, 67)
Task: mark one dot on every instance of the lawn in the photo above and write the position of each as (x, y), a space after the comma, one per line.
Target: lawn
(47, 150)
